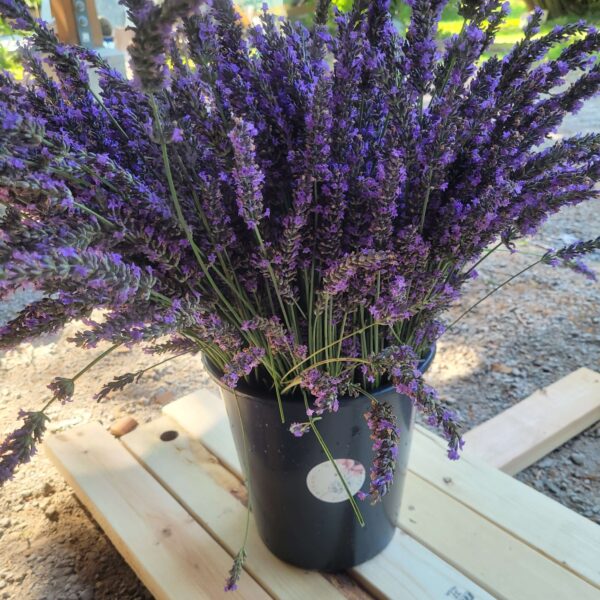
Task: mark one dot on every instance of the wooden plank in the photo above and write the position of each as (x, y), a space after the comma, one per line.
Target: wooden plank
(493, 558)
(203, 486)
(556, 531)
(203, 415)
(408, 570)
(524, 433)
(171, 553)
(481, 549)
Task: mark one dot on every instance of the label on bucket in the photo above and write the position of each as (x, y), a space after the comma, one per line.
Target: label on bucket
(323, 481)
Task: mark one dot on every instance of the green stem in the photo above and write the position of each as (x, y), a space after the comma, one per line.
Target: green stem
(95, 214)
(162, 362)
(246, 474)
(488, 253)
(507, 281)
(96, 360)
(325, 448)
(321, 349)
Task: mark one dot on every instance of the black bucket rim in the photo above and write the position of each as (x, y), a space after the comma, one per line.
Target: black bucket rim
(257, 395)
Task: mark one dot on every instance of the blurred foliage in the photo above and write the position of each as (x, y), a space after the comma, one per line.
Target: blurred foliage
(558, 8)
(9, 60)
(510, 32)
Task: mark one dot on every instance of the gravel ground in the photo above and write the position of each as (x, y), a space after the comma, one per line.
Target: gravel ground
(533, 332)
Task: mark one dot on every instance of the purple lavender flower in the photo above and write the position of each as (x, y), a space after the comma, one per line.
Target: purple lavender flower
(299, 429)
(246, 174)
(294, 218)
(62, 389)
(324, 388)
(579, 266)
(236, 571)
(20, 445)
(242, 364)
(385, 435)
(570, 257)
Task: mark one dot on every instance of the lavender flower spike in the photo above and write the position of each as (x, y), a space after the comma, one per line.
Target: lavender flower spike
(20, 445)
(385, 435)
(247, 176)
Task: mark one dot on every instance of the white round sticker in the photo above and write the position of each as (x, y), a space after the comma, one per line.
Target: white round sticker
(323, 481)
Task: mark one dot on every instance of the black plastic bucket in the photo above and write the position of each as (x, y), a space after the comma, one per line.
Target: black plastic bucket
(301, 509)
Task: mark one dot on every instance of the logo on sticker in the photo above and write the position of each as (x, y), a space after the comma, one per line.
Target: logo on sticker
(323, 481)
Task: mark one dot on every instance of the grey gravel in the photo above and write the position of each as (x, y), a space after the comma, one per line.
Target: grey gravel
(578, 459)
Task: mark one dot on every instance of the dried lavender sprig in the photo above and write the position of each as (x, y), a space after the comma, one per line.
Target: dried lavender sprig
(62, 388)
(236, 571)
(20, 445)
(572, 251)
(400, 363)
(177, 344)
(120, 382)
(385, 435)
(570, 257)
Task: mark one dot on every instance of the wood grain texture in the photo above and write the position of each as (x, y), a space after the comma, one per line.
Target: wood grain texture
(524, 433)
(203, 486)
(202, 413)
(408, 570)
(393, 574)
(170, 552)
(486, 553)
(554, 530)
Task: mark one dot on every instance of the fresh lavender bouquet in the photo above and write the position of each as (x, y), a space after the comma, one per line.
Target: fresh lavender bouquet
(299, 206)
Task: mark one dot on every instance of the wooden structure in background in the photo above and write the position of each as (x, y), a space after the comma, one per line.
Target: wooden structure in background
(175, 510)
(76, 22)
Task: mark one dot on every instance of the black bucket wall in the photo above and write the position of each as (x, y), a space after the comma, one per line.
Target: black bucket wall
(300, 506)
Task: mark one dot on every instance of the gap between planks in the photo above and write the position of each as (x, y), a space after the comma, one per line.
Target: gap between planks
(564, 539)
(173, 555)
(406, 569)
(559, 533)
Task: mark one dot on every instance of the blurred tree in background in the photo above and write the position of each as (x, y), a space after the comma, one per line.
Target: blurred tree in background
(557, 8)
(9, 60)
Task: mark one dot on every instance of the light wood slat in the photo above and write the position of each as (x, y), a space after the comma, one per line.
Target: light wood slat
(558, 532)
(407, 570)
(394, 571)
(524, 433)
(502, 564)
(209, 423)
(482, 550)
(171, 553)
(554, 530)
(190, 474)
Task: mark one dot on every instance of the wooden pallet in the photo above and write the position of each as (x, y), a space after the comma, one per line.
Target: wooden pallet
(175, 510)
